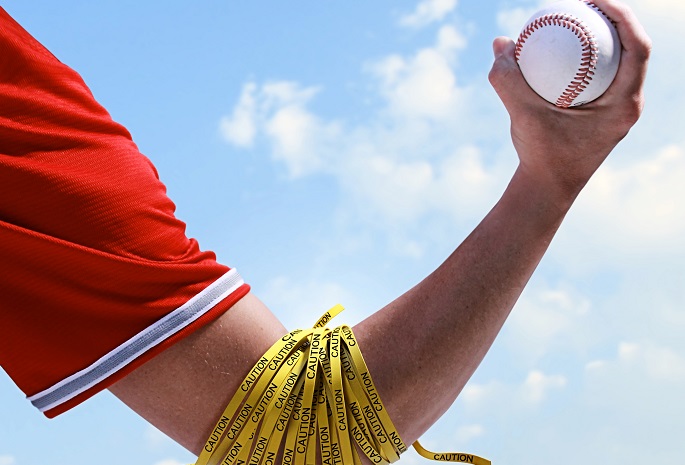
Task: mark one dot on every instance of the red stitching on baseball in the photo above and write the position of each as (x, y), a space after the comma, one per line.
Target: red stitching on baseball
(596, 8)
(589, 54)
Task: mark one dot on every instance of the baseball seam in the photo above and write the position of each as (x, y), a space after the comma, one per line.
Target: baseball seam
(598, 10)
(588, 57)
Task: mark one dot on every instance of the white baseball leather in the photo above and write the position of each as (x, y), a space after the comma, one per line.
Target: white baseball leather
(569, 52)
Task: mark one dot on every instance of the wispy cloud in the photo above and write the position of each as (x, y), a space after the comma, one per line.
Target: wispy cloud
(170, 462)
(468, 433)
(278, 111)
(409, 158)
(301, 302)
(550, 319)
(645, 375)
(538, 384)
(240, 128)
(7, 460)
(155, 439)
(631, 211)
(427, 12)
(659, 363)
(659, 7)
(511, 21)
(498, 397)
(423, 85)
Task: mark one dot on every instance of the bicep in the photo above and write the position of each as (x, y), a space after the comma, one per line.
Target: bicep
(184, 389)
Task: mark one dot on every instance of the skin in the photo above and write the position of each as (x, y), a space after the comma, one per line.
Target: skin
(463, 303)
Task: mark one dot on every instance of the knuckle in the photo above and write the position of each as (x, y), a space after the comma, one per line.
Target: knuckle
(493, 77)
(497, 75)
(646, 47)
(500, 72)
(631, 112)
(623, 13)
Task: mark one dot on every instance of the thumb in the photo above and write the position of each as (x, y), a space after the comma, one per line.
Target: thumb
(506, 78)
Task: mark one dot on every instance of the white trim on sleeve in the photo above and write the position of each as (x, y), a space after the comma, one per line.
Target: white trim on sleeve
(121, 356)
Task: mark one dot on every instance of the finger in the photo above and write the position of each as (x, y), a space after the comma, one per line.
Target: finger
(636, 45)
(506, 77)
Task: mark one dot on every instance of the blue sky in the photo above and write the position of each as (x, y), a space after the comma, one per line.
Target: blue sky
(339, 154)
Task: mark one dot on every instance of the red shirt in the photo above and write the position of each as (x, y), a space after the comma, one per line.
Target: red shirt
(96, 273)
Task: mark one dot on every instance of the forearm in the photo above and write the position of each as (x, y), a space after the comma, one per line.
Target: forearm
(448, 322)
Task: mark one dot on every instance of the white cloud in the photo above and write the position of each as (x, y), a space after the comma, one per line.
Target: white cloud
(496, 397)
(155, 439)
(403, 191)
(548, 319)
(537, 385)
(427, 12)
(298, 137)
(423, 85)
(7, 460)
(642, 385)
(388, 166)
(630, 210)
(639, 372)
(658, 363)
(278, 110)
(450, 41)
(649, 189)
(628, 351)
(170, 462)
(479, 397)
(671, 9)
(511, 21)
(291, 129)
(595, 365)
(300, 303)
(240, 128)
(465, 434)
(288, 92)
(621, 407)
(397, 188)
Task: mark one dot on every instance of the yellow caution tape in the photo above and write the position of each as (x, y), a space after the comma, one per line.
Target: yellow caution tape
(310, 396)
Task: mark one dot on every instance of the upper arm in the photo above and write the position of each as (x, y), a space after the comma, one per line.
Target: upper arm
(184, 389)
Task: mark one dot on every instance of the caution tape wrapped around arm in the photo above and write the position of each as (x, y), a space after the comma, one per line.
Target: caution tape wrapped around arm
(310, 395)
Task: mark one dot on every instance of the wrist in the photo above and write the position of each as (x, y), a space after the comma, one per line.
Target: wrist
(544, 190)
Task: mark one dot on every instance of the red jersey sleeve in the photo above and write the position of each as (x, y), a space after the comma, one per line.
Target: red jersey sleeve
(96, 273)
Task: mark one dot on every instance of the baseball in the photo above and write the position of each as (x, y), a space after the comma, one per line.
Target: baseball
(569, 52)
